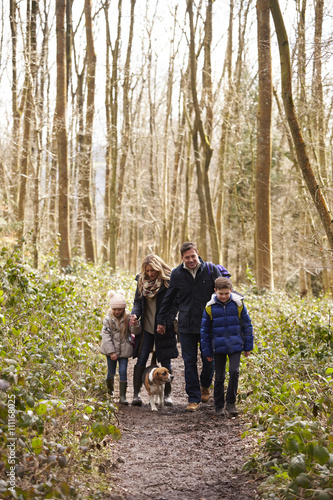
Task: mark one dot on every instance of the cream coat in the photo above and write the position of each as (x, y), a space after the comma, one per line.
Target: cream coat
(114, 339)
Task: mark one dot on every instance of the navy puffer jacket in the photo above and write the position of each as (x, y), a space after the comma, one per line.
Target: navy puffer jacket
(193, 294)
(222, 330)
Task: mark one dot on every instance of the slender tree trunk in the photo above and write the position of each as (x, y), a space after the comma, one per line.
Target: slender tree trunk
(300, 147)
(264, 152)
(106, 224)
(114, 146)
(89, 243)
(62, 149)
(207, 218)
(16, 112)
(126, 123)
(222, 159)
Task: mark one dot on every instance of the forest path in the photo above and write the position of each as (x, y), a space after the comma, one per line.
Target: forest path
(176, 455)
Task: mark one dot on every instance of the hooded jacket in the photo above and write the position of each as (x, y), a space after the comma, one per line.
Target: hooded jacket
(193, 294)
(226, 327)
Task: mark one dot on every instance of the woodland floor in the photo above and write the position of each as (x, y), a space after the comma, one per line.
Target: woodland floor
(176, 455)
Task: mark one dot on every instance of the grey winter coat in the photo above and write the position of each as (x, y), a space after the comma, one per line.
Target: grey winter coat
(113, 337)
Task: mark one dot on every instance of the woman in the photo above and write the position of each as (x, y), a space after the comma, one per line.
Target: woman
(153, 282)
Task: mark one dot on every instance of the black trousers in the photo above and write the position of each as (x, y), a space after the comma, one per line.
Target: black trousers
(220, 363)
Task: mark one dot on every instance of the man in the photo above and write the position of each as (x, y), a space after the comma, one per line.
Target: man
(193, 282)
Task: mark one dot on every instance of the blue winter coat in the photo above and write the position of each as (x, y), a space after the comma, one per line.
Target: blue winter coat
(193, 294)
(222, 330)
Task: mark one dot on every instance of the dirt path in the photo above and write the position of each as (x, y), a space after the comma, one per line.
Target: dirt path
(176, 455)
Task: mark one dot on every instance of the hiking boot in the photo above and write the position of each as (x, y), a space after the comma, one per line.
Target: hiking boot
(205, 394)
(231, 409)
(192, 407)
(219, 412)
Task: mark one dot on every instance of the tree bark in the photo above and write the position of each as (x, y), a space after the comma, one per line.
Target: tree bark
(114, 146)
(264, 261)
(62, 143)
(89, 243)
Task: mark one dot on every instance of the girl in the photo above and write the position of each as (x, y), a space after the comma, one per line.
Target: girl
(153, 282)
(117, 342)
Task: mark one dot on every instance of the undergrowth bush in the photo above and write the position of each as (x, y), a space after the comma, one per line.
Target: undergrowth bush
(55, 415)
(54, 408)
(289, 393)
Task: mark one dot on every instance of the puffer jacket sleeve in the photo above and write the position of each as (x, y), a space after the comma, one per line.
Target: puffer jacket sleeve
(107, 346)
(247, 330)
(206, 335)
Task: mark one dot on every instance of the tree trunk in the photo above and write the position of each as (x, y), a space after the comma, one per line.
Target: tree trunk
(301, 152)
(264, 261)
(89, 244)
(16, 112)
(114, 146)
(126, 130)
(62, 145)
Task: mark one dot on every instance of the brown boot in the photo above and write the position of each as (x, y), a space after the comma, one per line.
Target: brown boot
(205, 394)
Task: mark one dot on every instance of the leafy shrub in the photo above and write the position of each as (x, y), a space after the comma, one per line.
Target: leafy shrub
(289, 389)
(54, 408)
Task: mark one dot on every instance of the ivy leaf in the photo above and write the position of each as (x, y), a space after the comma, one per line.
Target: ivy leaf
(321, 454)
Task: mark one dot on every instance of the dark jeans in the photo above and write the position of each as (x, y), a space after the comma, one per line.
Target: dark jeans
(189, 343)
(112, 365)
(146, 347)
(220, 362)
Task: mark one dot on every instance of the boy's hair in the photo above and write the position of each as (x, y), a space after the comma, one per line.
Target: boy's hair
(221, 283)
(188, 245)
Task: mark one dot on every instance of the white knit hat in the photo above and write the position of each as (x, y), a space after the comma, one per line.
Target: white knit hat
(117, 299)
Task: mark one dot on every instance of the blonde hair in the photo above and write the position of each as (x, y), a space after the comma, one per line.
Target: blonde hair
(164, 271)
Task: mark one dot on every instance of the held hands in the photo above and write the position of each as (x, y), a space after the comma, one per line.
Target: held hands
(113, 356)
(209, 358)
(133, 319)
(246, 354)
(160, 329)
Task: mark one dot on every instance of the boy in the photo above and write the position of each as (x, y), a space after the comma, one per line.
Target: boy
(226, 330)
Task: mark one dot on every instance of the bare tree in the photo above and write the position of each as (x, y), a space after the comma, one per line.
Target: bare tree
(87, 157)
(264, 264)
(61, 132)
(300, 146)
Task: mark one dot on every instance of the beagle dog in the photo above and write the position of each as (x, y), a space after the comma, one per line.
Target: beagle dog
(154, 379)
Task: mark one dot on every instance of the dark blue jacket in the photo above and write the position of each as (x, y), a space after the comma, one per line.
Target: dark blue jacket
(165, 345)
(223, 331)
(193, 295)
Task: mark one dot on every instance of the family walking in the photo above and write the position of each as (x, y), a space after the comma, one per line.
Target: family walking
(209, 314)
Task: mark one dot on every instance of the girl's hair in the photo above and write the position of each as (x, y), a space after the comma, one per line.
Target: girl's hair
(164, 271)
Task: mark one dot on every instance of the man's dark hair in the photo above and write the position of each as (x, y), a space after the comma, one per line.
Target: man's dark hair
(188, 245)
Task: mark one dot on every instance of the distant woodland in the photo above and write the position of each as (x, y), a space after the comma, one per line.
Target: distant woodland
(129, 127)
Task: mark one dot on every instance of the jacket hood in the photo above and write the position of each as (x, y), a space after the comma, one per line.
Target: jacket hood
(233, 296)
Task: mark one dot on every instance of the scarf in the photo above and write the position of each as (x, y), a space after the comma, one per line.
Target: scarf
(151, 288)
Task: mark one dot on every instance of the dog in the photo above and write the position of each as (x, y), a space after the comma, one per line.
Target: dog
(154, 379)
